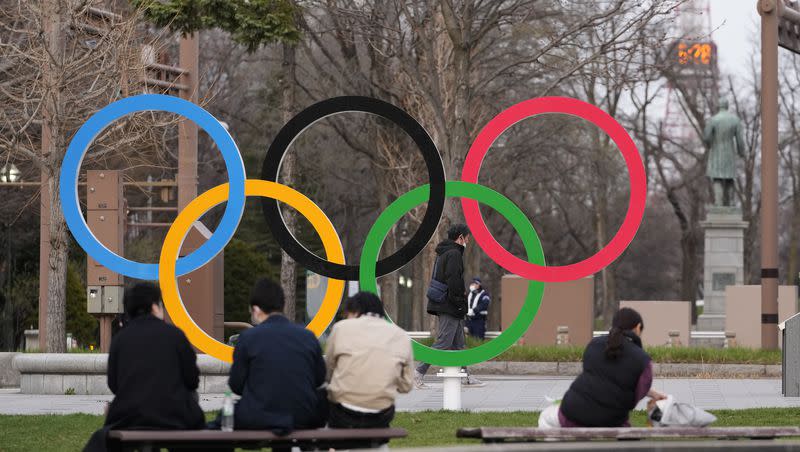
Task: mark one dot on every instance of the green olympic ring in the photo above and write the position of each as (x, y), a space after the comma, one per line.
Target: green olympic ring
(504, 206)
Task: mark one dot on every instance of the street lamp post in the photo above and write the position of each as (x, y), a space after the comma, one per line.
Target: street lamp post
(9, 174)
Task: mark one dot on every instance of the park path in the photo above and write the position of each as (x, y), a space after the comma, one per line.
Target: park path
(512, 393)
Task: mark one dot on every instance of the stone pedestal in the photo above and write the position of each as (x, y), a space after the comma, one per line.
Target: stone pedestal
(723, 264)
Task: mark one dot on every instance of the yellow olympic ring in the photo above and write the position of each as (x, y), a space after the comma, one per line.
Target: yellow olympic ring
(200, 205)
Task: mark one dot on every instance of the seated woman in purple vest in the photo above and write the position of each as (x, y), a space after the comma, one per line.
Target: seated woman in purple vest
(617, 374)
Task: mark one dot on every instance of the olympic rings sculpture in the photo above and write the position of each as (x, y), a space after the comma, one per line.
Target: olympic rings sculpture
(234, 193)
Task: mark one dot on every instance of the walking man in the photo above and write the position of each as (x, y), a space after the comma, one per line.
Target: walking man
(449, 269)
(477, 309)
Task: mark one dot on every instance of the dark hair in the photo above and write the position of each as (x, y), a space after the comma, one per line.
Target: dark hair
(625, 319)
(364, 303)
(268, 296)
(456, 230)
(139, 299)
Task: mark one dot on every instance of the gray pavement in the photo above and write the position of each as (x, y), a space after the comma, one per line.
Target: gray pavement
(512, 393)
(628, 446)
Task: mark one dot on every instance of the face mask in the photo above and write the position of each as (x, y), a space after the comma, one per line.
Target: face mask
(473, 287)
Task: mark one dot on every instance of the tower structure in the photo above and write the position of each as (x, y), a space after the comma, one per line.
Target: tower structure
(691, 69)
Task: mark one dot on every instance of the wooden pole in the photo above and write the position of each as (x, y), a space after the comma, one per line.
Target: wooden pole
(770, 14)
(105, 332)
(187, 130)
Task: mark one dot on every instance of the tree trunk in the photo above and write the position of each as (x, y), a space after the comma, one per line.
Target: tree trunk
(689, 270)
(57, 283)
(54, 41)
(457, 135)
(388, 283)
(288, 265)
(608, 293)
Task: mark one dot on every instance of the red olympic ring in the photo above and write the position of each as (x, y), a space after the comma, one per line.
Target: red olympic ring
(636, 173)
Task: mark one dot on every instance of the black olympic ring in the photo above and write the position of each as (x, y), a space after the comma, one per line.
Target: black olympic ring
(336, 105)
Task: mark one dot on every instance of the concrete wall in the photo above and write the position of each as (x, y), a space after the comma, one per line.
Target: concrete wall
(660, 317)
(564, 304)
(743, 314)
(56, 373)
(9, 376)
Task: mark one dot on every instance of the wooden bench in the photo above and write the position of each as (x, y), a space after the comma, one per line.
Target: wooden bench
(147, 440)
(524, 434)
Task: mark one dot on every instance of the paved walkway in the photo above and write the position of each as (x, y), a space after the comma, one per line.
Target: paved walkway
(528, 394)
(500, 394)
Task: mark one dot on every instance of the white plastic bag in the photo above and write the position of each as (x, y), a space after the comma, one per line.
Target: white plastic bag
(548, 418)
(669, 413)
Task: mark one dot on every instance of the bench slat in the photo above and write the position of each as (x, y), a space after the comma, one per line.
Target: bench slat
(325, 434)
(583, 434)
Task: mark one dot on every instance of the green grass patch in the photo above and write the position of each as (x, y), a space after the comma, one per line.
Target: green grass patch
(573, 353)
(428, 428)
(699, 355)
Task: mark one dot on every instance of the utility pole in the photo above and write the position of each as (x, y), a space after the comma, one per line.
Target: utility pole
(779, 23)
(187, 130)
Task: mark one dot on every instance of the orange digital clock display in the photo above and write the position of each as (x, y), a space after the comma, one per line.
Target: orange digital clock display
(694, 54)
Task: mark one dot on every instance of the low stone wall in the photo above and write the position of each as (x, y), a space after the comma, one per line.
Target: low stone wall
(56, 373)
(9, 376)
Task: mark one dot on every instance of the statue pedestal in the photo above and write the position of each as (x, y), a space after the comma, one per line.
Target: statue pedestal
(723, 264)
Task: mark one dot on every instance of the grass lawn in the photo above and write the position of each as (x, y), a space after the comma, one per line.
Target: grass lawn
(430, 428)
(573, 353)
(659, 355)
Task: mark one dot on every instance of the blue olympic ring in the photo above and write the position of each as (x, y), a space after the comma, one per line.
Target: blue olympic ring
(94, 126)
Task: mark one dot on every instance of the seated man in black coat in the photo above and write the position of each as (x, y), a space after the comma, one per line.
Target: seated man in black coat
(277, 369)
(152, 371)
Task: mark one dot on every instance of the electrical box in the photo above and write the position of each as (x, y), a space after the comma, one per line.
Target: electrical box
(104, 299)
(112, 300)
(106, 218)
(98, 275)
(103, 190)
(94, 300)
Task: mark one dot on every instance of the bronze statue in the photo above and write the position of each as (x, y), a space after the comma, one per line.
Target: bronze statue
(723, 137)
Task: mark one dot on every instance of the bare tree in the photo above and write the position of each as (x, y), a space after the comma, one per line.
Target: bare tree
(61, 61)
(789, 148)
(288, 267)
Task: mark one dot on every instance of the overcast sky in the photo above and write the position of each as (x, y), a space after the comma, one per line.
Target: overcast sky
(735, 28)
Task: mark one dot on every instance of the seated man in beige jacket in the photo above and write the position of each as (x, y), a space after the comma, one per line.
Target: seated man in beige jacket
(369, 362)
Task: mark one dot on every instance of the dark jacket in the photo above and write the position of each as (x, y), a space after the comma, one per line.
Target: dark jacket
(152, 371)
(605, 392)
(277, 369)
(450, 270)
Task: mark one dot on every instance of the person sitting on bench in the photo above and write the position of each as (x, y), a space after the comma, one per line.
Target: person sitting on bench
(152, 371)
(369, 362)
(277, 368)
(617, 373)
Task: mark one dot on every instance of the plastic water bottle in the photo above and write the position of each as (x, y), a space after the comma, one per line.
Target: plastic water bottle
(227, 412)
